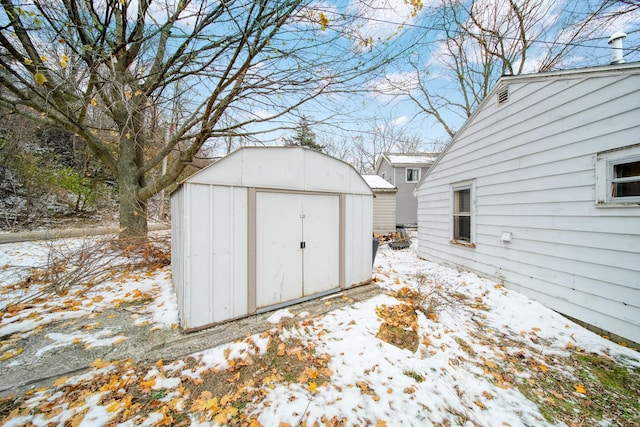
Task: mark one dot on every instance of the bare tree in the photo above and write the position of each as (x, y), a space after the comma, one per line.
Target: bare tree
(481, 40)
(103, 70)
(385, 137)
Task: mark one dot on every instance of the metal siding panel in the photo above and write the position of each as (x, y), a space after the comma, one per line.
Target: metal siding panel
(321, 235)
(229, 253)
(358, 238)
(177, 244)
(221, 245)
(322, 172)
(213, 260)
(273, 169)
(199, 289)
(239, 252)
(284, 168)
(278, 255)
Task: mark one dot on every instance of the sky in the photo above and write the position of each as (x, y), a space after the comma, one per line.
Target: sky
(396, 22)
(375, 28)
(477, 349)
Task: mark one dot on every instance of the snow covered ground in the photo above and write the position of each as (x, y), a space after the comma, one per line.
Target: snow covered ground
(466, 351)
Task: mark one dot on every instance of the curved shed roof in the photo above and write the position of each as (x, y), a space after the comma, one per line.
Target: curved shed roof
(282, 168)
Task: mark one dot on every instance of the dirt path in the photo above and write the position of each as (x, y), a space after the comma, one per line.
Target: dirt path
(38, 366)
(29, 236)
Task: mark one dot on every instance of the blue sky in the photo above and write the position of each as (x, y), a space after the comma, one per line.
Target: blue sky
(392, 25)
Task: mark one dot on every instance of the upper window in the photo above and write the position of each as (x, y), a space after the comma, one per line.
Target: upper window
(413, 174)
(618, 177)
(463, 214)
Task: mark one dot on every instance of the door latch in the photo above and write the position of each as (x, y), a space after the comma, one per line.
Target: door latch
(303, 245)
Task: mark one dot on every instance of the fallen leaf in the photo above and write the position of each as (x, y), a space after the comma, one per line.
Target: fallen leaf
(99, 363)
(11, 353)
(491, 365)
(114, 407)
(54, 412)
(77, 418)
(479, 404)
(488, 395)
(148, 384)
(205, 402)
(60, 381)
(580, 389)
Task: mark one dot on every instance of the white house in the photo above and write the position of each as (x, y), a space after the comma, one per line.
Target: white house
(540, 190)
(384, 204)
(265, 227)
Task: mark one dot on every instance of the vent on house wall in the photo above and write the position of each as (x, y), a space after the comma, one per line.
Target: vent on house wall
(503, 95)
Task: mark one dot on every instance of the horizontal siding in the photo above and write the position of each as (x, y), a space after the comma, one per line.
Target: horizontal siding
(533, 164)
(384, 213)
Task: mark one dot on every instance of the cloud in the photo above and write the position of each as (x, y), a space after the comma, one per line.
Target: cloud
(395, 84)
(261, 114)
(400, 121)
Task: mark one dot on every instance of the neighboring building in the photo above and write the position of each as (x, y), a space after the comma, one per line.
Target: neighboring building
(404, 172)
(540, 190)
(266, 227)
(384, 204)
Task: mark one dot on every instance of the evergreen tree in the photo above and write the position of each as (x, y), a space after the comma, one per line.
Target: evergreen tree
(304, 136)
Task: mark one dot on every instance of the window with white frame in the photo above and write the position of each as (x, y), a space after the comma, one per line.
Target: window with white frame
(413, 174)
(462, 213)
(618, 177)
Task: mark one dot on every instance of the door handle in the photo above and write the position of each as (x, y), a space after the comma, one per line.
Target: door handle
(303, 245)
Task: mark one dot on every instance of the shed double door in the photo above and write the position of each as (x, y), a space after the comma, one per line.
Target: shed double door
(297, 246)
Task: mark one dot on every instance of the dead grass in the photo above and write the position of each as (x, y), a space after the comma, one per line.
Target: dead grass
(81, 266)
(586, 390)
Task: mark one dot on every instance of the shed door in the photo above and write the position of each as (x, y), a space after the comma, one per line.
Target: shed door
(297, 246)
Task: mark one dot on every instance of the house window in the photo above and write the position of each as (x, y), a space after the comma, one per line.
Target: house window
(463, 213)
(413, 174)
(625, 182)
(618, 177)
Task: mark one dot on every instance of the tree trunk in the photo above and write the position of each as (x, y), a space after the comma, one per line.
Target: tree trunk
(133, 209)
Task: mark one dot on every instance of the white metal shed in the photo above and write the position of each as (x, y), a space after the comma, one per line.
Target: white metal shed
(265, 227)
